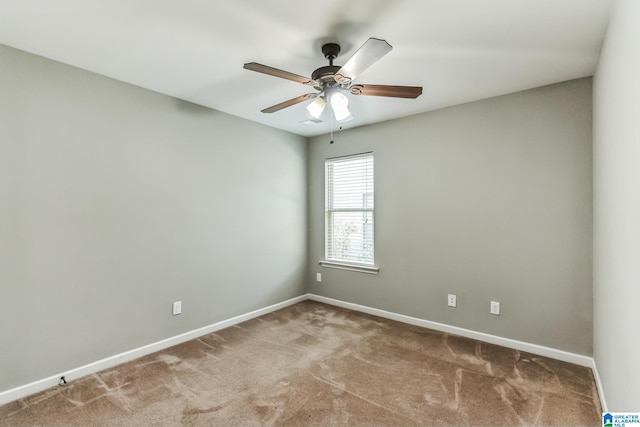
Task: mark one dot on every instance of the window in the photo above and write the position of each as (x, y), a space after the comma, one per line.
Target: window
(349, 212)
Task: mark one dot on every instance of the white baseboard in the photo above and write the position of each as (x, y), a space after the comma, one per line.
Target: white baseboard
(553, 353)
(109, 362)
(596, 376)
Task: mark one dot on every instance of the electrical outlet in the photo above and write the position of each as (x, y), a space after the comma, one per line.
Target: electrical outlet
(177, 307)
(318, 277)
(451, 300)
(495, 308)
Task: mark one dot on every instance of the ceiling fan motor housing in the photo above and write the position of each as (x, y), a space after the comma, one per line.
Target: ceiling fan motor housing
(326, 74)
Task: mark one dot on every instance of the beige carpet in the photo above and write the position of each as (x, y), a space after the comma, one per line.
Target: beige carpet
(317, 365)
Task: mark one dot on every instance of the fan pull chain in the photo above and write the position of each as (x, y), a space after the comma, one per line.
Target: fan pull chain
(331, 123)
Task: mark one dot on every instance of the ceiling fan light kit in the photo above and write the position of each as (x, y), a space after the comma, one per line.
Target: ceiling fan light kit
(339, 106)
(333, 81)
(316, 107)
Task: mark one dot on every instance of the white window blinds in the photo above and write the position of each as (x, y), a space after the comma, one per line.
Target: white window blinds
(349, 209)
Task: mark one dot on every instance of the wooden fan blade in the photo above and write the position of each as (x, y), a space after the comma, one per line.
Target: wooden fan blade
(289, 103)
(368, 54)
(385, 90)
(265, 69)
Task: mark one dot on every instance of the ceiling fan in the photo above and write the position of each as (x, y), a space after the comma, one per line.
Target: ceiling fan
(333, 81)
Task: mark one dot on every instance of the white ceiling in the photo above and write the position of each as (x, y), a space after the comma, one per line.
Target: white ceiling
(458, 50)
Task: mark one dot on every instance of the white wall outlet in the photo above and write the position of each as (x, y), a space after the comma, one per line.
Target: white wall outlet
(177, 307)
(318, 277)
(451, 300)
(495, 308)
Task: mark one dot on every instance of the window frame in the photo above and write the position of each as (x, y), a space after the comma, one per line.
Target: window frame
(342, 263)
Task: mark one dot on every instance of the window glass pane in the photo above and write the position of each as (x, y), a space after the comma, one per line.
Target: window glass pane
(351, 236)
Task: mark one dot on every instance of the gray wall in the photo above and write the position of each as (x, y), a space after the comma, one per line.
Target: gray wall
(116, 201)
(488, 200)
(616, 232)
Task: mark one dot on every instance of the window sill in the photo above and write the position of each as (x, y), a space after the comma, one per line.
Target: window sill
(350, 267)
